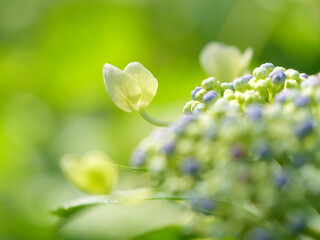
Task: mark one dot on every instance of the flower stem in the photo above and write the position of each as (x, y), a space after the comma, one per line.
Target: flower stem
(153, 121)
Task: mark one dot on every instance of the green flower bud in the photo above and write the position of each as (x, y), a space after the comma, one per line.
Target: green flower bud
(211, 84)
(194, 103)
(252, 96)
(240, 97)
(199, 95)
(290, 83)
(229, 94)
(92, 173)
(260, 73)
(225, 86)
(292, 74)
(187, 107)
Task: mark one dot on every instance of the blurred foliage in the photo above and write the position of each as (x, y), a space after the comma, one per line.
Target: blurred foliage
(52, 96)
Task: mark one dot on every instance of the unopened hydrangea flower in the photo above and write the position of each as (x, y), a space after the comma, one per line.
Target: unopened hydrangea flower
(246, 153)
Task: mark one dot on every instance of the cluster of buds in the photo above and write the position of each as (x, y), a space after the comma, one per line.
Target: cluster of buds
(245, 156)
(262, 86)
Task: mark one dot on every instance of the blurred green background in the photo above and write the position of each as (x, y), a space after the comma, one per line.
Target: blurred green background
(53, 100)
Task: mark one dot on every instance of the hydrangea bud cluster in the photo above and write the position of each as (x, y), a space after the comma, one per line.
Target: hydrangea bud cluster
(261, 87)
(247, 160)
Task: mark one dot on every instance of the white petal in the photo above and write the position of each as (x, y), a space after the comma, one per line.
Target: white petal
(124, 90)
(148, 83)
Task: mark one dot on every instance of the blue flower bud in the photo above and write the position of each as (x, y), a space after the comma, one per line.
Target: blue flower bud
(303, 75)
(182, 123)
(138, 157)
(232, 86)
(199, 108)
(304, 129)
(301, 101)
(312, 81)
(168, 148)
(210, 97)
(260, 73)
(204, 205)
(193, 93)
(240, 83)
(199, 95)
(300, 159)
(278, 76)
(268, 66)
(254, 111)
(264, 152)
(281, 179)
(248, 76)
(190, 166)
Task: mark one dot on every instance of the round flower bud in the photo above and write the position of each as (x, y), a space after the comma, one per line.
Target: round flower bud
(199, 108)
(193, 92)
(252, 96)
(292, 74)
(268, 66)
(281, 179)
(211, 84)
(229, 94)
(210, 97)
(278, 76)
(225, 86)
(254, 112)
(301, 101)
(195, 103)
(290, 83)
(138, 157)
(312, 81)
(190, 166)
(240, 97)
(304, 129)
(232, 86)
(260, 73)
(199, 95)
(303, 75)
(168, 148)
(187, 107)
(280, 68)
(240, 83)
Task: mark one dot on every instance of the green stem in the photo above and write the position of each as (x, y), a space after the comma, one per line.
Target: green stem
(153, 121)
(128, 168)
(312, 233)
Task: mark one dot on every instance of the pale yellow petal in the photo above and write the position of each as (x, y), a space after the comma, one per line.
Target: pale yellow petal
(147, 82)
(91, 173)
(123, 90)
(224, 62)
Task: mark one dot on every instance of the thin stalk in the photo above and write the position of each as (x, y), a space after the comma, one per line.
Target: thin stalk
(153, 121)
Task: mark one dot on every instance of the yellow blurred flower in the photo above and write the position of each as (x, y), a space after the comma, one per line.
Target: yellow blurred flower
(92, 173)
(130, 89)
(225, 62)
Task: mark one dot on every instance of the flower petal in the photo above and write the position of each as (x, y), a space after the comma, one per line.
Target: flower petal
(124, 90)
(224, 62)
(90, 173)
(147, 82)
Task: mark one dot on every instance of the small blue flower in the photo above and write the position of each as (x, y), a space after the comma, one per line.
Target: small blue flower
(240, 83)
(138, 157)
(210, 96)
(301, 101)
(193, 92)
(277, 76)
(254, 112)
(304, 129)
